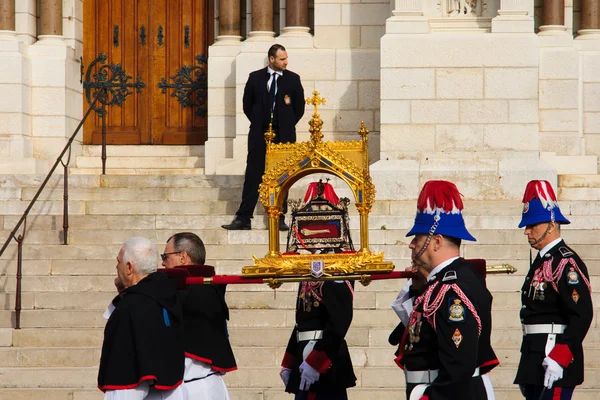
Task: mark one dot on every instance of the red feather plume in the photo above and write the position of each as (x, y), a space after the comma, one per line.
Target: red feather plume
(440, 194)
(541, 190)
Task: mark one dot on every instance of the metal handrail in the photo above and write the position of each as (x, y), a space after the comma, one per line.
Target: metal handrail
(99, 96)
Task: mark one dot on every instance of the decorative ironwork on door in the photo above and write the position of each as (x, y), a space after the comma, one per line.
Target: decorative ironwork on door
(190, 85)
(113, 79)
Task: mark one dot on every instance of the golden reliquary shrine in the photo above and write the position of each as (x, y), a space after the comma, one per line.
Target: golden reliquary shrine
(322, 225)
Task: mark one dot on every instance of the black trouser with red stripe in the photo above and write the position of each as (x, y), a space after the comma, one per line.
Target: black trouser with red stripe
(534, 392)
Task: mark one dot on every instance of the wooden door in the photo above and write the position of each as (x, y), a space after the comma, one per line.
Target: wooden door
(157, 41)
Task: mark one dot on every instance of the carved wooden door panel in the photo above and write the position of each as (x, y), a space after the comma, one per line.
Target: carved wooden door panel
(163, 42)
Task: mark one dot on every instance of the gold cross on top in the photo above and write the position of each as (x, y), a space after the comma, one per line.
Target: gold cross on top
(315, 101)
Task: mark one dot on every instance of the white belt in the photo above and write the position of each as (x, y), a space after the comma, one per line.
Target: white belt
(309, 335)
(416, 377)
(544, 328)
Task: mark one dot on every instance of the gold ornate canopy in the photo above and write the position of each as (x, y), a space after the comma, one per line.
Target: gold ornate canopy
(285, 164)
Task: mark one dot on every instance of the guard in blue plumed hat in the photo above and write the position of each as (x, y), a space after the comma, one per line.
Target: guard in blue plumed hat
(443, 339)
(540, 205)
(556, 303)
(439, 211)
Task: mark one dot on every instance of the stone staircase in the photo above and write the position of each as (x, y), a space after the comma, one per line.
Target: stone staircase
(66, 288)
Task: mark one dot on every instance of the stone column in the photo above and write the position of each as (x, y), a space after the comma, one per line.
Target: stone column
(229, 21)
(407, 17)
(296, 18)
(262, 21)
(514, 16)
(553, 18)
(7, 15)
(51, 17)
(590, 20)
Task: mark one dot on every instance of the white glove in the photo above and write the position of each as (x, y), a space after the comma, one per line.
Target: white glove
(285, 375)
(554, 372)
(309, 375)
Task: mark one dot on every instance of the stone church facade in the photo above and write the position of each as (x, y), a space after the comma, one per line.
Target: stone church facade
(487, 93)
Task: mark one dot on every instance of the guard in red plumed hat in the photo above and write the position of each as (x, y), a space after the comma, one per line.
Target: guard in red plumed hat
(445, 312)
(557, 306)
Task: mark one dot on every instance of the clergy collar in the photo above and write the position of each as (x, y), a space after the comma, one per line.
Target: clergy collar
(440, 267)
(549, 246)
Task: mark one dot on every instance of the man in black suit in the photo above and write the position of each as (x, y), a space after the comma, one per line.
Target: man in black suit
(272, 95)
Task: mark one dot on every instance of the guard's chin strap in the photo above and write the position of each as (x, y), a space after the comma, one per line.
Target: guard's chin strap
(543, 235)
(436, 222)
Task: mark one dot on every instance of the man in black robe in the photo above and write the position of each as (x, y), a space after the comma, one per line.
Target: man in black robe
(142, 353)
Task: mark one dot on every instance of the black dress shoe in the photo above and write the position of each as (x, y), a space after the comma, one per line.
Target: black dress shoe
(282, 225)
(237, 225)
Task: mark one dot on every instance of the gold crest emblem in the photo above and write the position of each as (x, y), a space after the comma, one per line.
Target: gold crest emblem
(287, 100)
(575, 296)
(457, 311)
(457, 338)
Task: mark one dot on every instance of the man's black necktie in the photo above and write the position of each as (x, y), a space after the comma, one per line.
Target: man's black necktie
(272, 90)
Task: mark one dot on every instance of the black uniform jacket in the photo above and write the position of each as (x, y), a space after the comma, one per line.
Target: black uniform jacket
(455, 346)
(205, 315)
(289, 107)
(143, 338)
(330, 354)
(571, 306)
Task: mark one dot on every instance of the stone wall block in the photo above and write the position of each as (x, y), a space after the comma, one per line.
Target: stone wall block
(459, 137)
(370, 36)
(222, 101)
(567, 144)
(336, 36)
(511, 83)
(15, 123)
(12, 69)
(483, 111)
(459, 83)
(369, 95)
(223, 126)
(353, 64)
(561, 93)
(511, 137)
(48, 101)
(591, 72)
(328, 14)
(395, 179)
(314, 65)
(365, 14)
(407, 138)
(559, 63)
(350, 120)
(523, 111)
(15, 98)
(591, 122)
(434, 111)
(408, 83)
(591, 96)
(395, 111)
(339, 94)
(454, 50)
(221, 72)
(559, 120)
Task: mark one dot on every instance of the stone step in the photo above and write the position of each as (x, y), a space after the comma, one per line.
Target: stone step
(89, 297)
(144, 151)
(241, 318)
(270, 356)
(261, 394)
(251, 337)
(135, 162)
(252, 377)
(136, 171)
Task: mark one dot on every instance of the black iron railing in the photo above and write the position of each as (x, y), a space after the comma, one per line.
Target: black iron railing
(109, 85)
